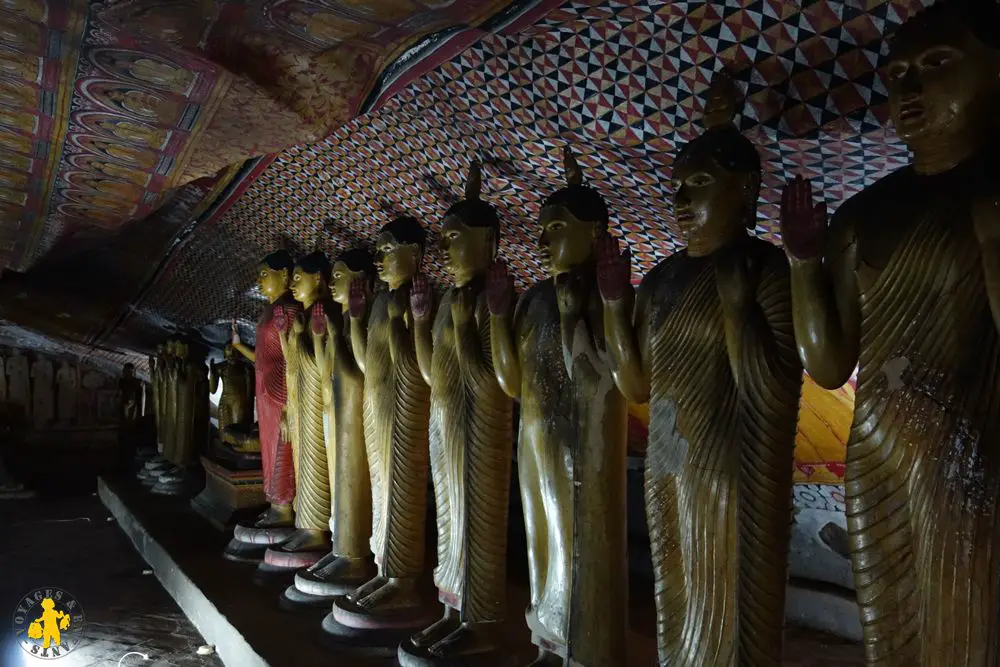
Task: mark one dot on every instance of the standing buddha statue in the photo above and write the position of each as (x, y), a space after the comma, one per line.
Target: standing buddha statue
(905, 284)
(167, 410)
(310, 541)
(708, 342)
(470, 443)
(236, 402)
(277, 523)
(349, 563)
(550, 354)
(397, 401)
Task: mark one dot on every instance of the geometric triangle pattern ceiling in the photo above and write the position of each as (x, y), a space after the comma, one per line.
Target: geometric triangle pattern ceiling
(622, 82)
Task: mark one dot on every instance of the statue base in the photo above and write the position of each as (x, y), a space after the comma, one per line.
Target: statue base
(410, 655)
(242, 552)
(290, 561)
(229, 493)
(266, 537)
(250, 542)
(382, 643)
(407, 620)
(15, 491)
(179, 481)
(153, 468)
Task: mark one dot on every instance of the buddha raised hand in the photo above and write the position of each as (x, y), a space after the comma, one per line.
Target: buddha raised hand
(905, 285)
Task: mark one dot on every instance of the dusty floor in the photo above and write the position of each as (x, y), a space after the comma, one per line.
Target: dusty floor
(63, 538)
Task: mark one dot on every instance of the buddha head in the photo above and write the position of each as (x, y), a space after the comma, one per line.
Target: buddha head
(470, 233)
(571, 219)
(274, 274)
(349, 266)
(309, 278)
(944, 73)
(399, 250)
(128, 370)
(227, 352)
(716, 178)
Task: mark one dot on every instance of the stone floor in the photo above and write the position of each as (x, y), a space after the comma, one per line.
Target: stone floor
(63, 538)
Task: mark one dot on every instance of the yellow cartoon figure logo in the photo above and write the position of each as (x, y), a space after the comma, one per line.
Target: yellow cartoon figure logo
(48, 623)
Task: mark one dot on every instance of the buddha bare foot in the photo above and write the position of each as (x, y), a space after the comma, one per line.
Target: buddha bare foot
(275, 516)
(396, 594)
(439, 629)
(306, 540)
(367, 589)
(467, 639)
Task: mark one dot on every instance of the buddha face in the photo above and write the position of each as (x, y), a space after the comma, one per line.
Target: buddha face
(396, 262)
(272, 282)
(341, 278)
(938, 77)
(566, 241)
(710, 202)
(306, 287)
(468, 251)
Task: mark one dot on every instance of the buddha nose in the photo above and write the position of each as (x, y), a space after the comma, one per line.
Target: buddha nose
(910, 87)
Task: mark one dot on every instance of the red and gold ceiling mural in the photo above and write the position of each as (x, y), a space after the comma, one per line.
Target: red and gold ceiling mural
(107, 108)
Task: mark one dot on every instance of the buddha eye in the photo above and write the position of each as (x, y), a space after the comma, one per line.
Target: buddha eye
(556, 226)
(338, 275)
(452, 235)
(937, 58)
(699, 180)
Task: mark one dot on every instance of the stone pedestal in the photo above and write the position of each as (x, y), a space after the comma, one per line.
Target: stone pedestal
(231, 492)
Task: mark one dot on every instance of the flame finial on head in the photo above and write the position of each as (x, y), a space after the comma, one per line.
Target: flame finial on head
(724, 101)
(474, 181)
(571, 168)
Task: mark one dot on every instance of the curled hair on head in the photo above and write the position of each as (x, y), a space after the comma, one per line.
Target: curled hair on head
(279, 260)
(406, 229)
(980, 17)
(477, 213)
(314, 262)
(584, 202)
(358, 259)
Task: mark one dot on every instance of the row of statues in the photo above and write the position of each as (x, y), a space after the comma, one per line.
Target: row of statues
(180, 389)
(44, 393)
(365, 393)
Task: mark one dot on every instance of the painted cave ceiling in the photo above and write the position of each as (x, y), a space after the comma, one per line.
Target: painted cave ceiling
(151, 151)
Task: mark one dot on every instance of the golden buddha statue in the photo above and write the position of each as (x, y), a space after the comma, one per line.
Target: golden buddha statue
(397, 401)
(277, 523)
(550, 354)
(470, 442)
(236, 402)
(310, 541)
(708, 342)
(905, 285)
(349, 563)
